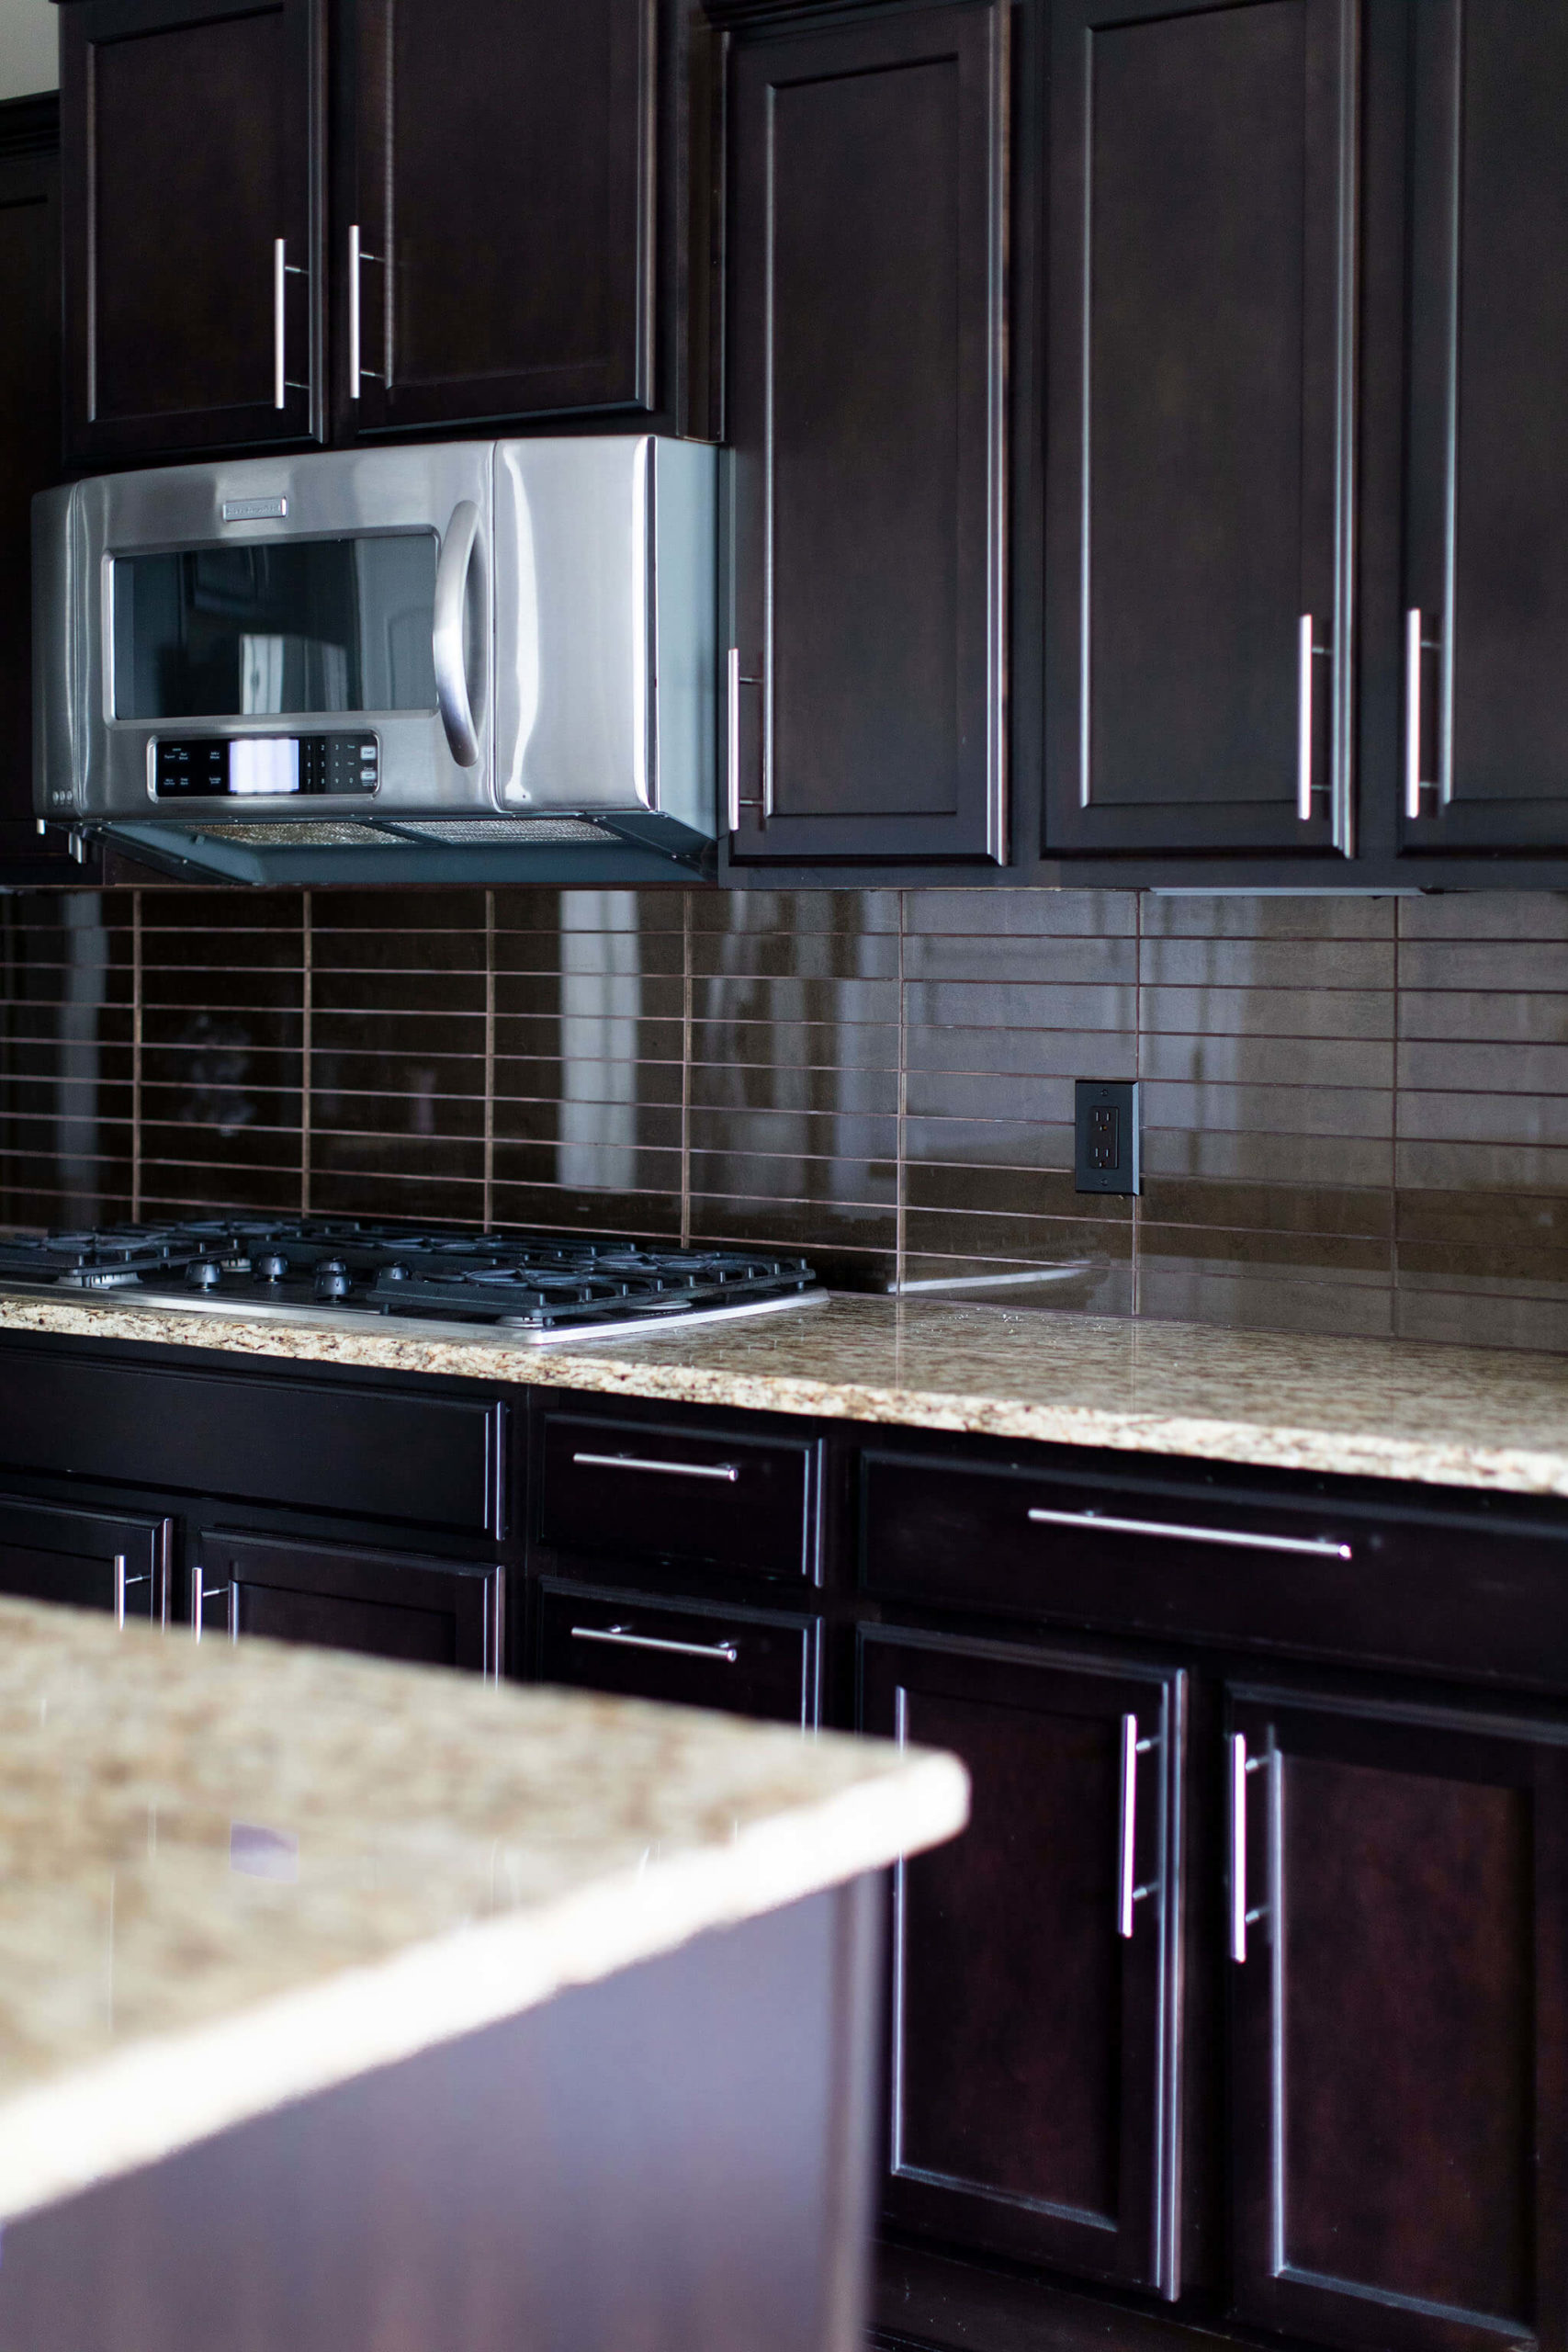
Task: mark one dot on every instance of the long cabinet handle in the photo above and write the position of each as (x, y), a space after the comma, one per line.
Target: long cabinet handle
(1315, 1547)
(726, 1470)
(622, 1637)
(283, 269)
(354, 368)
(1306, 654)
(1417, 643)
(200, 1596)
(734, 804)
(1127, 1892)
(1241, 1918)
(122, 1584)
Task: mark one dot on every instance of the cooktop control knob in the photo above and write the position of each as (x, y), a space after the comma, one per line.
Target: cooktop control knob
(204, 1273)
(272, 1267)
(332, 1279)
(394, 1273)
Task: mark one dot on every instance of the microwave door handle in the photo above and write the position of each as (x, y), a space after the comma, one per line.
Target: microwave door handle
(446, 633)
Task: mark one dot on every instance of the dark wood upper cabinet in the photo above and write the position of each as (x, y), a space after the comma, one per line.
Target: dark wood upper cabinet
(1199, 475)
(1485, 755)
(1034, 2063)
(1397, 2069)
(866, 291)
(29, 447)
(502, 203)
(191, 144)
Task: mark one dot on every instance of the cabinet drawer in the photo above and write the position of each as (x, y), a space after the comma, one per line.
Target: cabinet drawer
(736, 1659)
(89, 1559)
(638, 1489)
(384, 1604)
(430, 1461)
(1396, 1584)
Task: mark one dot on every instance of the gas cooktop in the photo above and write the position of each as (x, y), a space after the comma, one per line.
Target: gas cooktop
(536, 1287)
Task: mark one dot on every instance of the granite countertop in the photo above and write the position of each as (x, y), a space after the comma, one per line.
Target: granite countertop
(232, 1877)
(1445, 1415)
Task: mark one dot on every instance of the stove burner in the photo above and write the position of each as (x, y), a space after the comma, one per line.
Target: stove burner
(538, 1284)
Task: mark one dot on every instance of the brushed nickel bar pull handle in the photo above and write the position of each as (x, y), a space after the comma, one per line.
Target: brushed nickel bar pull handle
(119, 1589)
(733, 684)
(726, 1470)
(353, 312)
(279, 326)
(732, 726)
(622, 1637)
(1241, 1918)
(1127, 1893)
(200, 1596)
(282, 270)
(1306, 654)
(1413, 713)
(1315, 1547)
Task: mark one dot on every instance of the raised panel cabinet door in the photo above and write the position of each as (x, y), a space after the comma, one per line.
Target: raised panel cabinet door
(500, 260)
(1397, 1998)
(866, 292)
(336, 1596)
(1485, 604)
(1200, 461)
(191, 145)
(85, 1559)
(1033, 2073)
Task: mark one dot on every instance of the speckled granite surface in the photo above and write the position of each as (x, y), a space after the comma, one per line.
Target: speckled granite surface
(229, 1877)
(1453, 1417)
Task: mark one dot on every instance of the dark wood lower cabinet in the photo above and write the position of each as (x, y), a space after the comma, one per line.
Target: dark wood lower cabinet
(1034, 2052)
(385, 1604)
(1399, 2018)
(87, 1559)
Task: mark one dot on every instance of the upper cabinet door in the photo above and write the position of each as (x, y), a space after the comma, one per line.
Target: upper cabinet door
(1199, 468)
(189, 133)
(1485, 760)
(865, 387)
(499, 260)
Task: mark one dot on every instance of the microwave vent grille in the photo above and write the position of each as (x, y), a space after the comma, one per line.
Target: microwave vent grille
(501, 831)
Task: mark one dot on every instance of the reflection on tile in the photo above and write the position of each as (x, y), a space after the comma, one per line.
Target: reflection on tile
(882, 1080)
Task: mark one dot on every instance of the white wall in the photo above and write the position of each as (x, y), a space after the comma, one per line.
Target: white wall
(28, 47)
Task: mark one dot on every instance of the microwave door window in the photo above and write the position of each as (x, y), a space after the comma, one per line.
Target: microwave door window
(301, 628)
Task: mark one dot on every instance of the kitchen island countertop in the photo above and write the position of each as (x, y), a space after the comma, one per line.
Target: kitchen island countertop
(1445, 1415)
(234, 1878)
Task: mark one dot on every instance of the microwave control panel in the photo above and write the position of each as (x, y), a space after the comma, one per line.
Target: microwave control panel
(264, 767)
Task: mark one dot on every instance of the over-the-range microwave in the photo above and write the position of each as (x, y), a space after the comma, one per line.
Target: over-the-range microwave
(278, 667)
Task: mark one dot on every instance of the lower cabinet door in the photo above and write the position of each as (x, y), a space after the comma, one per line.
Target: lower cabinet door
(1033, 2073)
(386, 1604)
(90, 1560)
(744, 1661)
(1397, 1923)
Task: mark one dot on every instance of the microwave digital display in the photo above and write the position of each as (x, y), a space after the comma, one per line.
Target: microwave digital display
(292, 626)
(255, 767)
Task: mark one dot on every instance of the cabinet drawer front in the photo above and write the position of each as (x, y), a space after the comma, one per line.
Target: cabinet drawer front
(384, 1604)
(1321, 1577)
(735, 1660)
(636, 1490)
(85, 1558)
(430, 1461)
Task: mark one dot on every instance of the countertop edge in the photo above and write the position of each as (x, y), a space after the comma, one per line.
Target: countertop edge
(619, 1369)
(172, 2091)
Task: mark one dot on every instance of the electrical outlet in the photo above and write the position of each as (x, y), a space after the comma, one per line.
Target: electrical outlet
(1106, 1156)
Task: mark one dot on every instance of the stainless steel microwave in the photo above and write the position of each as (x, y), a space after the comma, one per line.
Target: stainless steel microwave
(443, 641)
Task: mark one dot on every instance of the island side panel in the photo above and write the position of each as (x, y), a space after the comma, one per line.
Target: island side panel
(678, 2158)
